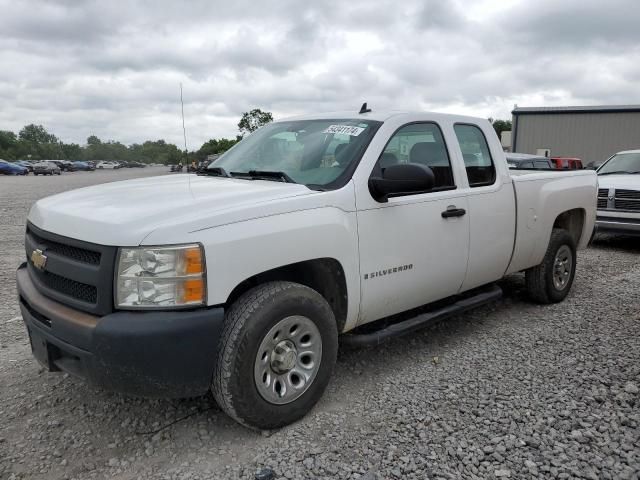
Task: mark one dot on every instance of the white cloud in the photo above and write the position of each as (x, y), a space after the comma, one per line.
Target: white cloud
(113, 69)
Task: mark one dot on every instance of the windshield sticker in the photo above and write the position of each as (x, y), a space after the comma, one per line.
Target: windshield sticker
(345, 130)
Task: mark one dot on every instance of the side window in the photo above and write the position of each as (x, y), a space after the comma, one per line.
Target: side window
(541, 164)
(476, 155)
(420, 143)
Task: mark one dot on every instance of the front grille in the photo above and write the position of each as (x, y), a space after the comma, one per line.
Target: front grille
(76, 273)
(79, 254)
(603, 193)
(627, 200)
(632, 194)
(628, 205)
(66, 286)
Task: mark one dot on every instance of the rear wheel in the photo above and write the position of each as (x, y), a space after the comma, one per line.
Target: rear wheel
(551, 281)
(277, 352)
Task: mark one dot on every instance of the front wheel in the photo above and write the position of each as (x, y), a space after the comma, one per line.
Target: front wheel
(551, 281)
(277, 352)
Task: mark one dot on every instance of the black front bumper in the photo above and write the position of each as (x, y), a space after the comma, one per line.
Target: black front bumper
(150, 354)
(617, 225)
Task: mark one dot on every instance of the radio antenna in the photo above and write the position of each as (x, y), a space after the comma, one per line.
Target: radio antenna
(184, 130)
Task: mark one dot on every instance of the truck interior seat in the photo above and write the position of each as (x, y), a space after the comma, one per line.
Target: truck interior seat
(387, 159)
(434, 156)
(476, 173)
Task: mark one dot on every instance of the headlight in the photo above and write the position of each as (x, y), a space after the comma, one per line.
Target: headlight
(152, 277)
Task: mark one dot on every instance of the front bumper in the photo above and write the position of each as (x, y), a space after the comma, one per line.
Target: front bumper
(150, 354)
(618, 225)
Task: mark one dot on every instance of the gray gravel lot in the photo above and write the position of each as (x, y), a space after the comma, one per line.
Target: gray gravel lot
(512, 390)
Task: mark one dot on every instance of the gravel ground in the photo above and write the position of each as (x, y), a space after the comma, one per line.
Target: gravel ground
(512, 390)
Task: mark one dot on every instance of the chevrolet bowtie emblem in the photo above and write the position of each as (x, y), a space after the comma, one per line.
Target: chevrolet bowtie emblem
(38, 259)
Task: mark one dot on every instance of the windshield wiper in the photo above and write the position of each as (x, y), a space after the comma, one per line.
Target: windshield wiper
(619, 172)
(264, 175)
(215, 172)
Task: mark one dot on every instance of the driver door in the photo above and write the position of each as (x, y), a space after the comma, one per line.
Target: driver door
(410, 253)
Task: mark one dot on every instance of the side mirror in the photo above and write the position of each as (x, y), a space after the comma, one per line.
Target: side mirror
(401, 179)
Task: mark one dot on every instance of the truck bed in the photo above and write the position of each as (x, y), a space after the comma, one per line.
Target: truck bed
(541, 196)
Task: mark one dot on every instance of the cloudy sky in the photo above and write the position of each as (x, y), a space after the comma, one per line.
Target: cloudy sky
(113, 68)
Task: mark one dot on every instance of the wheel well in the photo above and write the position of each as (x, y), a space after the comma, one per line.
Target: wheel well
(324, 275)
(572, 221)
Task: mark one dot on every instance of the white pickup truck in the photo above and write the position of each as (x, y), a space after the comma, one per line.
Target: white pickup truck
(242, 279)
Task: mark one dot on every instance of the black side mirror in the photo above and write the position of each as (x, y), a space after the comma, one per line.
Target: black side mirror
(402, 179)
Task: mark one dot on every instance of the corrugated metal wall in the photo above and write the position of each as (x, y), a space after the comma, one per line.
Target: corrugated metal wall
(589, 136)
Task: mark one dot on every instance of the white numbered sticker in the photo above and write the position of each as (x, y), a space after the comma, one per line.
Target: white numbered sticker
(345, 130)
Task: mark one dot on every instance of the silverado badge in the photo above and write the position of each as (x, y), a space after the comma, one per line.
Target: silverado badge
(38, 259)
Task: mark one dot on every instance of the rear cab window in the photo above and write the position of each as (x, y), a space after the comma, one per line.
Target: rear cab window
(478, 162)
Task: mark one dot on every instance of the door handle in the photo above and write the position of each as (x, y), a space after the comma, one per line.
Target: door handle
(453, 211)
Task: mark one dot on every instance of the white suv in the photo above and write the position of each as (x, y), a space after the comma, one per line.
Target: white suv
(619, 194)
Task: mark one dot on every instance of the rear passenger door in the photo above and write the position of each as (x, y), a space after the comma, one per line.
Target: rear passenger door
(492, 209)
(410, 254)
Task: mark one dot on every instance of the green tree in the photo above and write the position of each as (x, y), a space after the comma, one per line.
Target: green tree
(253, 120)
(36, 134)
(500, 125)
(71, 151)
(8, 139)
(215, 146)
(93, 140)
(8, 144)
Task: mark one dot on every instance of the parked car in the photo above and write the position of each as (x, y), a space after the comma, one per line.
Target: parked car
(203, 164)
(176, 168)
(84, 166)
(526, 161)
(107, 165)
(619, 194)
(46, 168)
(596, 164)
(8, 168)
(64, 165)
(298, 249)
(25, 164)
(567, 163)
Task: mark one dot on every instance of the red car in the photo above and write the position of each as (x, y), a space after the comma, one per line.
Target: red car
(567, 163)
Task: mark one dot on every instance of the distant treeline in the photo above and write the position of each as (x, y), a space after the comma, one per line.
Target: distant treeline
(34, 142)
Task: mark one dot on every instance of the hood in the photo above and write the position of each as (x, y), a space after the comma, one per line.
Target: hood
(628, 182)
(124, 213)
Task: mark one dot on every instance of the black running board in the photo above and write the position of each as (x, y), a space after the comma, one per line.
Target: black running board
(412, 324)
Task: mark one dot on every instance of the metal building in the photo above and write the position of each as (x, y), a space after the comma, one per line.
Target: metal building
(590, 133)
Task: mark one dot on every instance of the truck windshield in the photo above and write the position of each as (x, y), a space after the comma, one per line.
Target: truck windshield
(621, 163)
(316, 153)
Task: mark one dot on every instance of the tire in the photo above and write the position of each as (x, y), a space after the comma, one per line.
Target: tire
(250, 323)
(545, 283)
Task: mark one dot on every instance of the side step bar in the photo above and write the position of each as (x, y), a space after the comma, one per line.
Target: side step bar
(412, 324)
